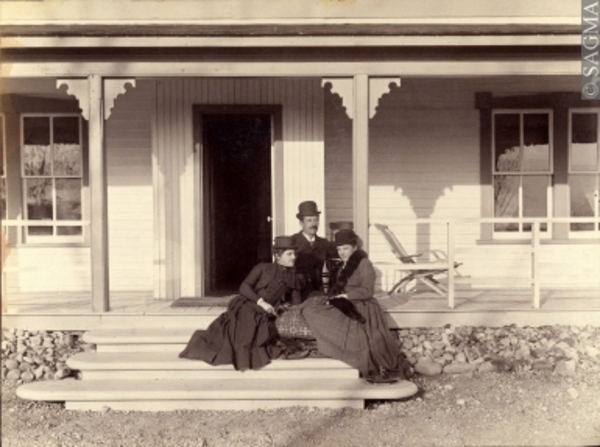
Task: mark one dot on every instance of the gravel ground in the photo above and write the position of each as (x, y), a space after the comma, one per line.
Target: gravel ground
(517, 409)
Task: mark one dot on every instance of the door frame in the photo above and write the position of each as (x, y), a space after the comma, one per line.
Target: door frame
(277, 186)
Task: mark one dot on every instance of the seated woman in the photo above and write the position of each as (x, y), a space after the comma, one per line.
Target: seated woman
(245, 335)
(355, 331)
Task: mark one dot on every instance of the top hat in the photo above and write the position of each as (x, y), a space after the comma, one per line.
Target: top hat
(284, 242)
(346, 237)
(308, 208)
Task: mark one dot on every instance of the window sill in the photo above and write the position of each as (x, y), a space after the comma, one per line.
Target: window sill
(542, 241)
(52, 245)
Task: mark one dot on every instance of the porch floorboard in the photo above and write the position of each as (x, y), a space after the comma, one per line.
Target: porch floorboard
(421, 308)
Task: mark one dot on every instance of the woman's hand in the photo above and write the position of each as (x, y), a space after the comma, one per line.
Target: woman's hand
(266, 306)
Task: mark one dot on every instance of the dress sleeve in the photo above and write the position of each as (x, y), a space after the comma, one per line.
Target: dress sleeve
(248, 285)
(366, 276)
(300, 284)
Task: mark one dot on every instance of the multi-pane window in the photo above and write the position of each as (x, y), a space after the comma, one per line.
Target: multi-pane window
(52, 171)
(584, 167)
(522, 170)
(2, 169)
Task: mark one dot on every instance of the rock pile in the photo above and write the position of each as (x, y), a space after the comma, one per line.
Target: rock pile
(561, 349)
(36, 355)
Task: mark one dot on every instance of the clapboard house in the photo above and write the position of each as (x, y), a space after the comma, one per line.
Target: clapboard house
(151, 150)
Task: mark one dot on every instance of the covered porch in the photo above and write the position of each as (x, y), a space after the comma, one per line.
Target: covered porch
(397, 140)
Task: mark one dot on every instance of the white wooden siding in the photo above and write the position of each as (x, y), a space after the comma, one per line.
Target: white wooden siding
(424, 163)
(55, 269)
(178, 198)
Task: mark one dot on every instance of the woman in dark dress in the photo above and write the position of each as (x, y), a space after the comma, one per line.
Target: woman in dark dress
(353, 329)
(245, 335)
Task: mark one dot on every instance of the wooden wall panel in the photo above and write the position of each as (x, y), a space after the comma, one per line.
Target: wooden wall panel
(303, 154)
(130, 210)
(424, 163)
(130, 189)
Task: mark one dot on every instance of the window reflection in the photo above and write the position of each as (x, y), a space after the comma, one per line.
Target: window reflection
(582, 192)
(52, 169)
(584, 142)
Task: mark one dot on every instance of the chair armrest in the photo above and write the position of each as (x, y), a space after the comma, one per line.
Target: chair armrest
(409, 258)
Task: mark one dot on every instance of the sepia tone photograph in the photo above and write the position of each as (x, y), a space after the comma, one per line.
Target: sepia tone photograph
(290, 223)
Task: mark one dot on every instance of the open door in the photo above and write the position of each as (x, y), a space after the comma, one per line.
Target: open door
(237, 196)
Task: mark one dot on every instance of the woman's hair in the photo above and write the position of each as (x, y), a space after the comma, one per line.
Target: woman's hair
(279, 251)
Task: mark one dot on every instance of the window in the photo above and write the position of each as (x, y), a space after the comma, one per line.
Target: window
(584, 168)
(52, 171)
(522, 168)
(3, 194)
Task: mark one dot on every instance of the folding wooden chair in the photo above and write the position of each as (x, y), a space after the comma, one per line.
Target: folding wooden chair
(423, 272)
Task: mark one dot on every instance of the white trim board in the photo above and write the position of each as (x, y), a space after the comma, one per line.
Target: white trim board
(291, 68)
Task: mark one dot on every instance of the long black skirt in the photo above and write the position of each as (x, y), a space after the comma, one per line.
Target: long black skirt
(244, 336)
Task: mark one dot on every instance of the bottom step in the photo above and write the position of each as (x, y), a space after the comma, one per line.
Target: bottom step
(210, 405)
(212, 394)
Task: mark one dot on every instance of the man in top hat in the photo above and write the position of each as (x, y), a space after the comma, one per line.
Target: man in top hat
(312, 251)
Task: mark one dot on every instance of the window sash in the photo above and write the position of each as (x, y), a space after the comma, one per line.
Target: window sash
(521, 113)
(52, 235)
(587, 199)
(521, 175)
(593, 170)
(522, 205)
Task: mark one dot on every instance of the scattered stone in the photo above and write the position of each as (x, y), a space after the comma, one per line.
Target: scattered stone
(427, 367)
(562, 349)
(591, 351)
(460, 357)
(11, 364)
(13, 374)
(573, 393)
(460, 402)
(565, 367)
(542, 365)
(523, 352)
(486, 367)
(37, 353)
(68, 341)
(62, 372)
(27, 376)
(459, 368)
(39, 372)
(448, 357)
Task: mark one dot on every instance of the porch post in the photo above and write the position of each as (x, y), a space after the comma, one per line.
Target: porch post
(98, 197)
(360, 158)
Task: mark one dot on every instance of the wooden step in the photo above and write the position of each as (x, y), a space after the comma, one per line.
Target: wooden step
(139, 339)
(212, 394)
(165, 365)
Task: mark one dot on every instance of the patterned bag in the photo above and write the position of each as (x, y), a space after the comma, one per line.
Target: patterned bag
(292, 324)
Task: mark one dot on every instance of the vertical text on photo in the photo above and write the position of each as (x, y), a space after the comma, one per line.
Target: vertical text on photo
(590, 47)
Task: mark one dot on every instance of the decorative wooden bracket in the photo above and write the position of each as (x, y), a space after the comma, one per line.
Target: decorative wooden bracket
(112, 89)
(79, 88)
(344, 87)
(377, 88)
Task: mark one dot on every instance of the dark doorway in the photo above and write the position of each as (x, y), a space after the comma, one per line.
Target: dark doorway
(237, 173)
